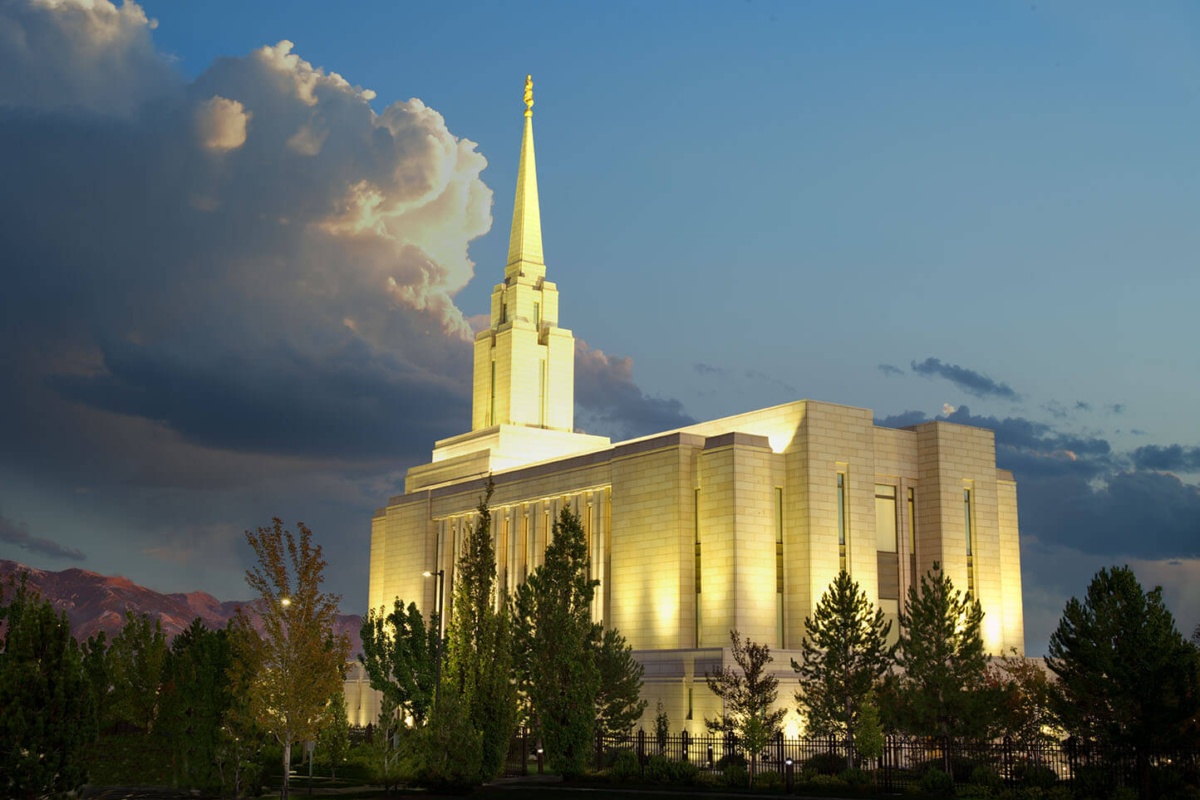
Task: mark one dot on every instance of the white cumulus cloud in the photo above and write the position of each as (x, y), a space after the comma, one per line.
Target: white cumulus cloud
(221, 123)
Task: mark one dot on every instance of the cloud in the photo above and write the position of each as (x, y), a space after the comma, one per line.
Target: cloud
(1172, 458)
(1081, 405)
(80, 54)
(612, 404)
(708, 369)
(762, 377)
(890, 370)
(1115, 408)
(968, 380)
(751, 375)
(16, 533)
(221, 124)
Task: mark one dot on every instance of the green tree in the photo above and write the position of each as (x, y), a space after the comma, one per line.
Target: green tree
(618, 702)
(447, 753)
(135, 661)
(1126, 676)
(399, 653)
(943, 688)
(47, 716)
(556, 640)
(241, 741)
(845, 654)
(1026, 716)
(868, 732)
(479, 655)
(747, 694)
(194, 698)
(300, 662)
(334, 740)
(662, 727)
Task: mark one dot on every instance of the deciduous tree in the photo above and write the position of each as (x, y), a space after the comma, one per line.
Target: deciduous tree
(301, 662)
(135, 661)
(399, 652)
(334, 740)
(193, 700)
(1026, 715)
(942, 687)
(845, 654)
(1126, 675)
(46, 712)
(556, 640)
(747, 694)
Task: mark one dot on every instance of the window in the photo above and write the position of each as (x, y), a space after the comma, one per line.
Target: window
(696, 539)
(492, 412)
(885, 518)
(542, 392)
(503, 313)
(537, 314)
(912, 536)
(689, 714)
(843, 521)
(969, 542)
(779, 565)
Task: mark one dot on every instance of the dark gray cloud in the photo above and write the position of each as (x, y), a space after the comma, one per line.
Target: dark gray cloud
(890, 370)
(1172, 458)
(1081, 405)
(970, 381)
(17, 533)
(709, 369)
(611, 404)
(1076, 492)
(1115, 408)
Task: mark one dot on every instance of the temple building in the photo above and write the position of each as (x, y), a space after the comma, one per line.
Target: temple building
(737, 523)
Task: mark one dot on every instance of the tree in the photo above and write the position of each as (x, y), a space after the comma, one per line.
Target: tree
(135, 662)
(479, 656)
(48, 717)
(1027, 717)
(747, 694)
(555, 639)
(662, 727)
(868, 732)
(241, 740)
(194, 698)
(445, 754)
(334, 740)
(399, 653)
(300, 661)
(942, 688)
(618, 701)
(1126, 676)
(845, 654)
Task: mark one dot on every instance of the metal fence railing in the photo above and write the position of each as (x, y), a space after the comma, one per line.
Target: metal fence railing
(903, 763)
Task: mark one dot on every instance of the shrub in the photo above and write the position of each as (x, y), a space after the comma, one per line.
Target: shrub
(983, 775)
(961, 767)
(827, 782)
(732, 759)
(626, 767)
(855, 777)
(683, 773)
(1035, 776)
(771, 781)
(710, 780)
(658, 770)
(937, 783)
(1168, 783)
(1124, 793)
(826, 763)
(736, 777)
(611, 754)
(976, 791)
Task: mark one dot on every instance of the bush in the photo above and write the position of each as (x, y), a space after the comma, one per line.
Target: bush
(937, 783)
(826, 764)
(447, 753)
(961, 767)
(1034, 775)
(732, 759)
(683, 773)
(610, 755)
(983, 775)
(626, 767)
(976, 791)
(826, 782)
(855, 777)
(771, 781)
(710, 780)
(1168, 783)
(658, 770)
(736, 777)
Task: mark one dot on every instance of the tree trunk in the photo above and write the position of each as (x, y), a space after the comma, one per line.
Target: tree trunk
(287, 770)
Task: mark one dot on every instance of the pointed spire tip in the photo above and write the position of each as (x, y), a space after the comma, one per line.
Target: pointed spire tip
(529, 95)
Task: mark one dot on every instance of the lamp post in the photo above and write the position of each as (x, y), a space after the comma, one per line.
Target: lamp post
(437, 658)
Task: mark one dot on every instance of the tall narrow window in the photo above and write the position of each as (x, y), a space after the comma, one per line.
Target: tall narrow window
(970, 542)
(843, 522)
(542, 392)
(689, 714)
(503, 313)
(779, 565)
(492, 412)
(887, 556)
(912, 536)
(525, 545)
(537, 315)
(696, 540)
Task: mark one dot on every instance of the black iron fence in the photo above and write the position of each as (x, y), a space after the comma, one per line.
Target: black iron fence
(904, 761)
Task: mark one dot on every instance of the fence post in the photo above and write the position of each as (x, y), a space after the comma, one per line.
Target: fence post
(524, 751)
(686, 739)
(779, 741)
(599, 750)
(641, 747)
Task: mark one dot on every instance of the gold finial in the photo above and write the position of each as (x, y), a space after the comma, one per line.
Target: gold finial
(529, 95)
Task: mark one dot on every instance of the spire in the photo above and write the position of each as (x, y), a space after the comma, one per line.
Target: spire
(525, 242)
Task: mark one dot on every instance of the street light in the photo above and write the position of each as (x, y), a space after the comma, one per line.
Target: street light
(285, 601)
(437, 659)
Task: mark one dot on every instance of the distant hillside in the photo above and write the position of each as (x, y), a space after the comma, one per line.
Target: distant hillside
(95, 602)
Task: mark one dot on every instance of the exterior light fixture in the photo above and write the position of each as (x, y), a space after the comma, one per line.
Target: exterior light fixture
(285, 601)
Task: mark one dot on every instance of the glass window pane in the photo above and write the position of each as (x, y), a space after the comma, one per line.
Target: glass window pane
(885, 523)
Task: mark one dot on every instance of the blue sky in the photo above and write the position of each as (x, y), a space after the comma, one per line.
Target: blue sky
(784, 196)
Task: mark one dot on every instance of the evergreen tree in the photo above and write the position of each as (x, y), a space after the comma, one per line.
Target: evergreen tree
(46, 712)
(399, 655)
(479, 656)
(618, 702)
(747, 694)
(1126, 676)
(556, 641)
(134, 663)
(942, 688)
(662, 727)
(194, 698)
(845, 654)
(446, 754)
(300, 662)
(334, 740)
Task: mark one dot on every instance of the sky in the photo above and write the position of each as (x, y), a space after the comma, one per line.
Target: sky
(242, 245)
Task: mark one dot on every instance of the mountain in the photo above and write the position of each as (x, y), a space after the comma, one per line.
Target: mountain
(95, 602)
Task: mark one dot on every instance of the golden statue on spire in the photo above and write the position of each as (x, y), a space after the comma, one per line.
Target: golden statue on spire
(529, 95)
